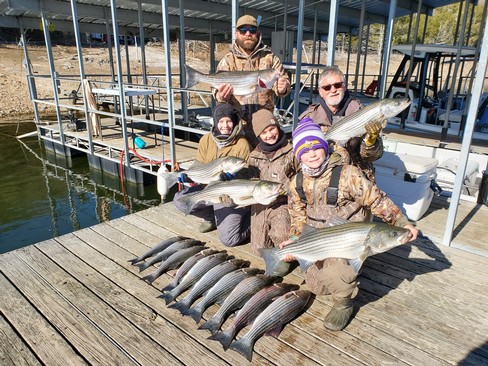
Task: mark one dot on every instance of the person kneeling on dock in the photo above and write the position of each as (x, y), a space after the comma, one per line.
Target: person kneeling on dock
(225, 139)
(312, 203)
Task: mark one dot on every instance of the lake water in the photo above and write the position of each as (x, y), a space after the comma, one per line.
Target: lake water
(43, 195)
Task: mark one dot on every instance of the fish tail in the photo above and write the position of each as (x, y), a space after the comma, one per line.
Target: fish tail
(150, 277)
(195, 312)
(244, 346)
(271, 260)
(142, 266)
(181, 306)
(212, 325)
(134, 261)
(224, 337)
(192, 77)
(167, 297)
(168, 287)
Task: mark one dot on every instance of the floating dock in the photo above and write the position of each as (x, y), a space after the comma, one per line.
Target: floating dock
(76, 300)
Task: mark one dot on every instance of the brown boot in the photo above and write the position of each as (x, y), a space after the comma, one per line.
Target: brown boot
(339, 315)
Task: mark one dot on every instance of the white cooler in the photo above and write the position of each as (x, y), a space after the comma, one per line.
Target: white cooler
(406, 180)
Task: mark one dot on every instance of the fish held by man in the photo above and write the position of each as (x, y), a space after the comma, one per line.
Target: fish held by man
(272, 320)
(354, 241)
(243, 192)
(205, 173)
(157, 248)
(243, 82)
(354, 124)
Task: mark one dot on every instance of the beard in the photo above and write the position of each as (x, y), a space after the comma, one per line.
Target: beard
(247, 43)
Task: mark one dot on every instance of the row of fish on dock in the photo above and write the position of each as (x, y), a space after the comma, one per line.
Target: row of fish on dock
(219, 278)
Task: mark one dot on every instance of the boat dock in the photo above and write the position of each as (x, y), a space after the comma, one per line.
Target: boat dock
(76, 300)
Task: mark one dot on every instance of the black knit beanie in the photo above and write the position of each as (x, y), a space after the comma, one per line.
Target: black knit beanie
(225, 110)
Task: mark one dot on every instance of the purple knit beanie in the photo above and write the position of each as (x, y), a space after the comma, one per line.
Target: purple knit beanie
(308, 136)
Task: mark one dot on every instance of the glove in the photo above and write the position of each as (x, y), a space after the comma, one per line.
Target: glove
(373, 129)
(226, 200)
(226, 176)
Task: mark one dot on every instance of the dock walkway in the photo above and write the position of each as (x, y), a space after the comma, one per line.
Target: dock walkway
(75, 300)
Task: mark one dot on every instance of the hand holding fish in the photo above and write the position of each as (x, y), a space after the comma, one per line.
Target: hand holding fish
(224, 92)
(373, 130)
(282, 85)
(288, 257)
(412, 235)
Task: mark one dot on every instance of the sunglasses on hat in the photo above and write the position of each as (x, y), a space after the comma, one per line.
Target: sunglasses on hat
(335, 85)
(244, 30)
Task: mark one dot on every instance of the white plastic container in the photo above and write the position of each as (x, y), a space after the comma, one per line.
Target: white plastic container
(406, 180)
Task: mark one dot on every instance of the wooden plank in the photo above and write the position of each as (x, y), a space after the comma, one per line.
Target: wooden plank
(13, 351)
(44, 339)
(73, 311)
(101, 278)
(171, 315)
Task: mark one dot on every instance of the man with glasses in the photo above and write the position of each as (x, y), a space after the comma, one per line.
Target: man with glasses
(336, 102)
(249, 53)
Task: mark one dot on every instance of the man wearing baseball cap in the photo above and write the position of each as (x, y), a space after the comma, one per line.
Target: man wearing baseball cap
(248, 53)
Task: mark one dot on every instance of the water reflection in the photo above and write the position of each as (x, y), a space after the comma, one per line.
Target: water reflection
(45, 195)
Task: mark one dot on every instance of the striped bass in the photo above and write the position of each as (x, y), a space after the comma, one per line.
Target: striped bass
(237, 298)
(243, 82)
(173, 248)
(250, 311)
(194, 274)
(172, 262)
(272, 320)
(352, 240)
(220, 290)
(187, 265)
(242, 191)
(353, 124)
(157, 248)
(205, 173)
(207, 281)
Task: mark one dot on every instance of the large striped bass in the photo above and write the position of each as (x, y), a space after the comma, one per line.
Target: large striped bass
(205, 173)
(251, 310)
(242, 191)
(272, 320)
(157, 248)
(207, 281)
(243, 82)
(173, 248)
(353, 124)
(220, 290)
(237, 298)
(354, 241)
(187, 265)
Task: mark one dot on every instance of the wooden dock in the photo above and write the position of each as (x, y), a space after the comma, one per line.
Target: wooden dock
(75, 300)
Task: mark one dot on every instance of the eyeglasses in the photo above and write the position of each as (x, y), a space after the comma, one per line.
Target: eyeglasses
(335, 85)
(244, 30)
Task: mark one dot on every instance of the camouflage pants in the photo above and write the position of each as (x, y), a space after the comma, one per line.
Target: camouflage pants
(333, 276)
(270, 226)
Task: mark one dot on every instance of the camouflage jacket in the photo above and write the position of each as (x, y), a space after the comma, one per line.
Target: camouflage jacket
(281, 167)
(361, 155)
(260, 59)
(355, 193)
(208, 150)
